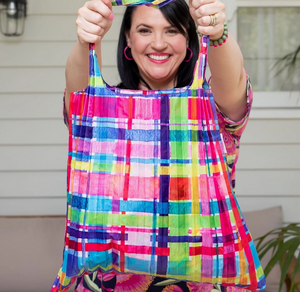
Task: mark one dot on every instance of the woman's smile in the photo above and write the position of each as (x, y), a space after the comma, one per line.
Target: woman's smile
(159, 57)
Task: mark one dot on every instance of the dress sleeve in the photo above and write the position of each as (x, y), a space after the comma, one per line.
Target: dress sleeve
(235, 129)
(65, 116)
(231, 133)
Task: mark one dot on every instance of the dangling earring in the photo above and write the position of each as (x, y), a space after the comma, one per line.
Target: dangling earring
(191, 55)
(126, 55)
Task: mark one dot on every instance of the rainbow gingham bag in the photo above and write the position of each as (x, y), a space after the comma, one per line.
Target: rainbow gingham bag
(148, 188)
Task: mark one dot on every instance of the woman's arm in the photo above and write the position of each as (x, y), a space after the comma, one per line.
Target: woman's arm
(228, 80)
(93, 21)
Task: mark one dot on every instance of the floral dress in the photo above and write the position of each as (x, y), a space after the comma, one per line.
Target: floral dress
(107, 282)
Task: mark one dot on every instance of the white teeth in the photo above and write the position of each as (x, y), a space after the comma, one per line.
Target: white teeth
(158, 58)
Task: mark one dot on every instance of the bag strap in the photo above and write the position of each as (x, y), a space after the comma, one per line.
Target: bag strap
(95, 76)
(200, 66)
(96, 79)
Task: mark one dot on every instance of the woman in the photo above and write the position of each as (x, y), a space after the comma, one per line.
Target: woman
(158, 49)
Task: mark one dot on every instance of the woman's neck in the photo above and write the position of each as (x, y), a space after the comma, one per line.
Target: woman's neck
(158, 85)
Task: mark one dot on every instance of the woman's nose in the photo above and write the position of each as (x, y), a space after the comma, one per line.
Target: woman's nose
(158, 42)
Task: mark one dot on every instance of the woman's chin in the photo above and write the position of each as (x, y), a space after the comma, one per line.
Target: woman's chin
(162, 80)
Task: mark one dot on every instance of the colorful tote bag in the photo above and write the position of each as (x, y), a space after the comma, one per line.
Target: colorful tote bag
(148, 189)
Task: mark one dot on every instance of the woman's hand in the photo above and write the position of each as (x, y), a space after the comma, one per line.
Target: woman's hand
(201, 10)
(93, 21)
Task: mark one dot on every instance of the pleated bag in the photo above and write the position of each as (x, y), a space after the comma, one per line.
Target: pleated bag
(148, 188)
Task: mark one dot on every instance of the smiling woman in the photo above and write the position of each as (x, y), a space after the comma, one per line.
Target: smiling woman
(164, 32)
(157, 48)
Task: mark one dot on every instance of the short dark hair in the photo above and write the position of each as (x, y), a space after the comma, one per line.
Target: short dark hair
(177, 13)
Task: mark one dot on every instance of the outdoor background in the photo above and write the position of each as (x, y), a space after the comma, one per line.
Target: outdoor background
(33, 138)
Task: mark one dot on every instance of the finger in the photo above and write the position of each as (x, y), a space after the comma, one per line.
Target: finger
(92, 28)
(212, 8)
(90, 33)
(206, 20)
(100, 7)
(90, 16)
(211, 30)
(197, 3)
(191, 8)
(86, 37)
(108, 4)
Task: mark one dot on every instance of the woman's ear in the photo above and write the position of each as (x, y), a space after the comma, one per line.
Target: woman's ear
(128, 40)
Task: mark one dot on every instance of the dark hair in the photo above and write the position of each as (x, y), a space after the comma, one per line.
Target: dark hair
(177, 13)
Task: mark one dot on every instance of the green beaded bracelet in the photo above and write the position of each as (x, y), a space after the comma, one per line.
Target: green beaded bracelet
(221, 40)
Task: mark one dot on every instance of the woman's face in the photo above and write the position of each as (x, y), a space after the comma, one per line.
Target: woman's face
(156, 46)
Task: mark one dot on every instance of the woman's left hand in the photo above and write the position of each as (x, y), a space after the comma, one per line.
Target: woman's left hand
(201, 11)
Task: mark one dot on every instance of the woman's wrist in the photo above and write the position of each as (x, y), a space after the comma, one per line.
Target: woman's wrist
(218, 40)
(217, 36)
(222, 39)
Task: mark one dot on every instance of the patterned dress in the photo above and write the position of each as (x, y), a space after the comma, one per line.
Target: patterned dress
(108, 282)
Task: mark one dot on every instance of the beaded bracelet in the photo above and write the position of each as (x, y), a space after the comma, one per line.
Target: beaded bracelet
(221, 40)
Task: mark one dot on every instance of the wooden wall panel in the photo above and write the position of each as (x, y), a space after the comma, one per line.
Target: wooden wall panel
(33, 138)
(58, 7)
(42, 80)
(39, 79)
(270, 183)
(59, 28)
(47, 54)
(32, 206)
(290, 205)
(269, 156)
(34, 106)
(33, 184)
(270, 131)
(28, 158)
(33, 132)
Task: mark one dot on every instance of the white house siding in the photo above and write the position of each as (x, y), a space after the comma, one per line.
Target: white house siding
(33, 138)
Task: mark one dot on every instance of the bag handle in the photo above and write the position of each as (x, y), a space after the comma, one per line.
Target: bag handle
(96, 79)
(95, 76)
(200, 66)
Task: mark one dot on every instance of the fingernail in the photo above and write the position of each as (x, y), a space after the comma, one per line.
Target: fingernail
(111, 17)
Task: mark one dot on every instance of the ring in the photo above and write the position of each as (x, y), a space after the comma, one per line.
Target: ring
(213, 19)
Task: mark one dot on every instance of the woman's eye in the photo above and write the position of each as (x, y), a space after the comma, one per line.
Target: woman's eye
(144, 30)
(172, 31)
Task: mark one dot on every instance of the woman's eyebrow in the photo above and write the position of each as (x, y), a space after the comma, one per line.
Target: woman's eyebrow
(142, 24)
(149, 26)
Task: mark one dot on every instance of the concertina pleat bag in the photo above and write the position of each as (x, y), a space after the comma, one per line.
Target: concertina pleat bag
(148, 189)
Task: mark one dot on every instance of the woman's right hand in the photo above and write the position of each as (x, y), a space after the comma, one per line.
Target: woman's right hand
(93, 21)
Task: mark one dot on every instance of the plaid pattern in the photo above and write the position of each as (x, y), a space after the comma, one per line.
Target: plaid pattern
(155, 3)
(148, 187)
